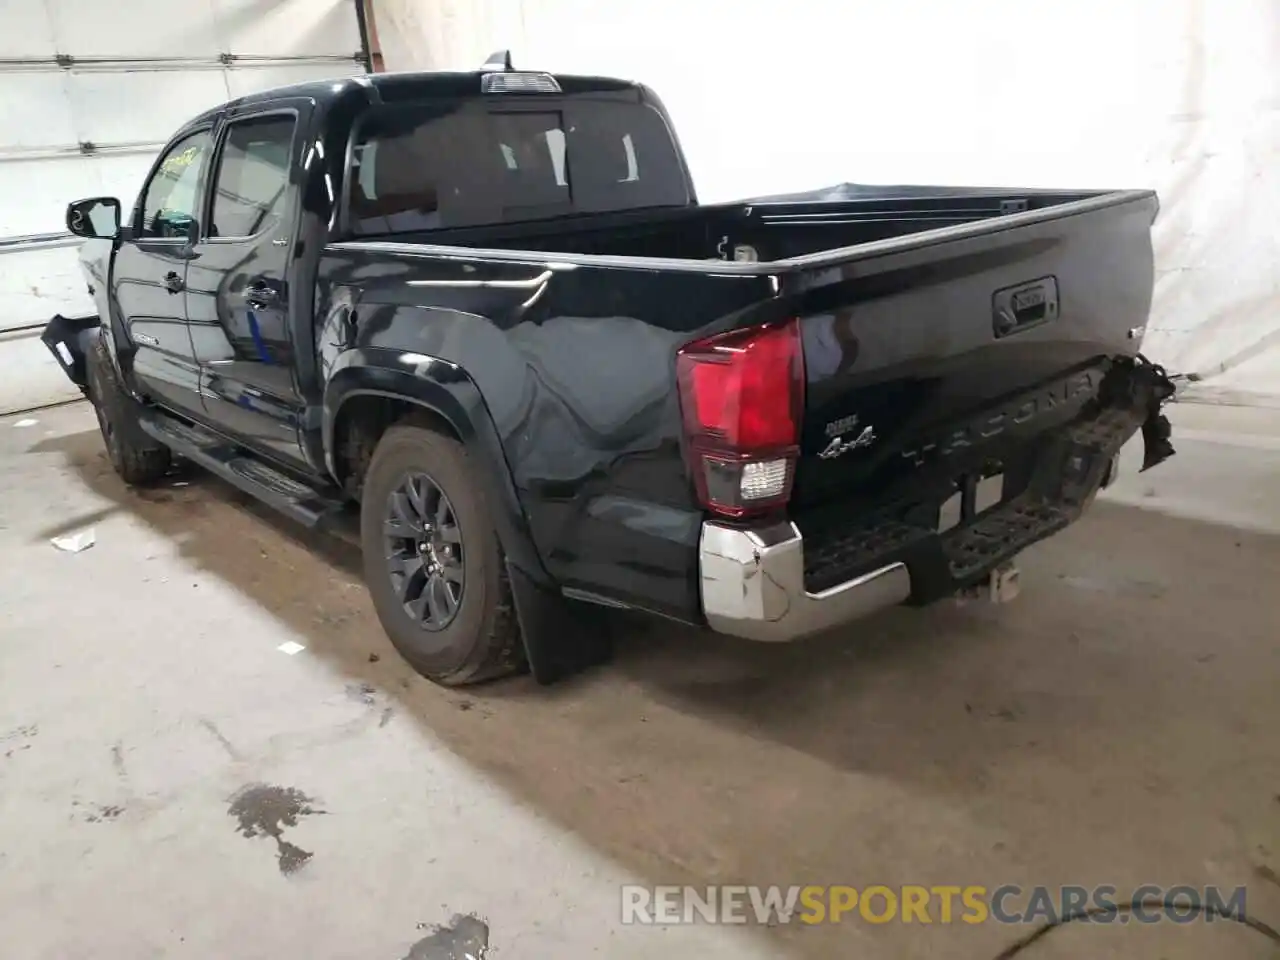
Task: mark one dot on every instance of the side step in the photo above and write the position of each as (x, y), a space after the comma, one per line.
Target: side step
(312, 507)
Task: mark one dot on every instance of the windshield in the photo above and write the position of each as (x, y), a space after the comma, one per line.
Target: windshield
(455, 164)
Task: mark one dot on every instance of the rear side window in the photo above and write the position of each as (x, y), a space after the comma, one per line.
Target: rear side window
(428, 166)
(251, 185)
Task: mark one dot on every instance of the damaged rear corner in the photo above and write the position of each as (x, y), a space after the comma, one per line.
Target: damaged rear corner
(1153, 387)
(68, 339)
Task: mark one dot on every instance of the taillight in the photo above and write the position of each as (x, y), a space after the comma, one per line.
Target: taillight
(742, 399)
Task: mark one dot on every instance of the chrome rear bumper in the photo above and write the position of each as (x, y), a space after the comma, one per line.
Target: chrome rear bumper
(752, 584)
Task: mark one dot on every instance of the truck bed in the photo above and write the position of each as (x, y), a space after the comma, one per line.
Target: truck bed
(770, 229)
(936, 320)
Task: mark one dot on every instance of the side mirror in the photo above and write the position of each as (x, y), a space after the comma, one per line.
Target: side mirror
(97, 218)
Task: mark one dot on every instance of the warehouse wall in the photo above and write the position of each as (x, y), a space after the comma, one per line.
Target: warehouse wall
(1179, 95)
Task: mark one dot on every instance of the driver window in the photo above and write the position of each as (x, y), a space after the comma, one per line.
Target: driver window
(170, 200)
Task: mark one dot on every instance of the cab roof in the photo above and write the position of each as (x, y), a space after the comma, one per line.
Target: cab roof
(415, 85)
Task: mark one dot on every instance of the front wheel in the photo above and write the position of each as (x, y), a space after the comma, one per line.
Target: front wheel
(136, 457)
(432, 560)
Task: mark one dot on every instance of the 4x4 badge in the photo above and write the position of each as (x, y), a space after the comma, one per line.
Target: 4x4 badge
(839, 445)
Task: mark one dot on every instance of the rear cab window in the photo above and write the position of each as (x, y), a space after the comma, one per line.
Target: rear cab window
(442, 164)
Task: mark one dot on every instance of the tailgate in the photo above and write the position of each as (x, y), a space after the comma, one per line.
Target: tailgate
(951, 349)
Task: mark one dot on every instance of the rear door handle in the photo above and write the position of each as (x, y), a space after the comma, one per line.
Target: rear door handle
(260, 294)
(173, 283)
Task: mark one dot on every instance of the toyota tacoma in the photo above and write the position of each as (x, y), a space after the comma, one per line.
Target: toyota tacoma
(484, 315)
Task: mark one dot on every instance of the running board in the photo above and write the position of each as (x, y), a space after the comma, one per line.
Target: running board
(313, 508)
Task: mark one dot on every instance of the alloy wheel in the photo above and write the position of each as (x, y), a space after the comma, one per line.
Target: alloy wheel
(424, 551)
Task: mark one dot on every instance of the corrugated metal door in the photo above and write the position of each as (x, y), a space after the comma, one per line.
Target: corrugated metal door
(89, 92)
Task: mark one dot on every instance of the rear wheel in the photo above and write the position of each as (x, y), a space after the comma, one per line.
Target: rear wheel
(136, 457)
(432, 561)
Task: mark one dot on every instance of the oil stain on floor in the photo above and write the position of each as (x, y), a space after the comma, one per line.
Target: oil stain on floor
(465, 937)
(263, 810)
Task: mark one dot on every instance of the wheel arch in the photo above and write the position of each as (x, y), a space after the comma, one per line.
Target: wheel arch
(370, 392)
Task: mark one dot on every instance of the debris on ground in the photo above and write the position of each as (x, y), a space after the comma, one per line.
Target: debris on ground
(74, 542)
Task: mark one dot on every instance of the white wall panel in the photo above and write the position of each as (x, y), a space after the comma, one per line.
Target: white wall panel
(35, 111)
(43, 281)
(163, 100)
(135, 28)
(196, 28)
(316, 27)
(25, 27)
(39, 190)
(1179, 95)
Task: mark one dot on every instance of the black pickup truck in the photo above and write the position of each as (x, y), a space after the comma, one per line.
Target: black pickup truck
(486, 311)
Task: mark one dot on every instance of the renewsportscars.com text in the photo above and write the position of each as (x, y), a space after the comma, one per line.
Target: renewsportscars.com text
(912, 903)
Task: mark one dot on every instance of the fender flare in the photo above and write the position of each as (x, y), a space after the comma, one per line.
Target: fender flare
(444, 389)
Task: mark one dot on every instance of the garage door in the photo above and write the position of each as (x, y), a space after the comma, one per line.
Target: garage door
(91, 90)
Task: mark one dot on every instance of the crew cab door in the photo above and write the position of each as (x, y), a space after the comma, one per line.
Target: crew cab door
(238, 284)
(149, 273)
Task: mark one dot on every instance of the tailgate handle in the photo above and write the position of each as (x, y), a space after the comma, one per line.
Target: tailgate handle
(1027, 305)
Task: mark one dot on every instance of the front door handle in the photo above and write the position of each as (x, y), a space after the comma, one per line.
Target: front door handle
(173, 283)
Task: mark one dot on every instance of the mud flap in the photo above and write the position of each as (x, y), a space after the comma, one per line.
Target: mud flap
(561, 637)
(67, 338)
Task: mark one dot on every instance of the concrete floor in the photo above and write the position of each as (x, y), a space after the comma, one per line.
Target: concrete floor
(1119, 723)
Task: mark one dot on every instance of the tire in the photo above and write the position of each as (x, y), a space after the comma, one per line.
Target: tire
(136, 457)
(456, 625)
